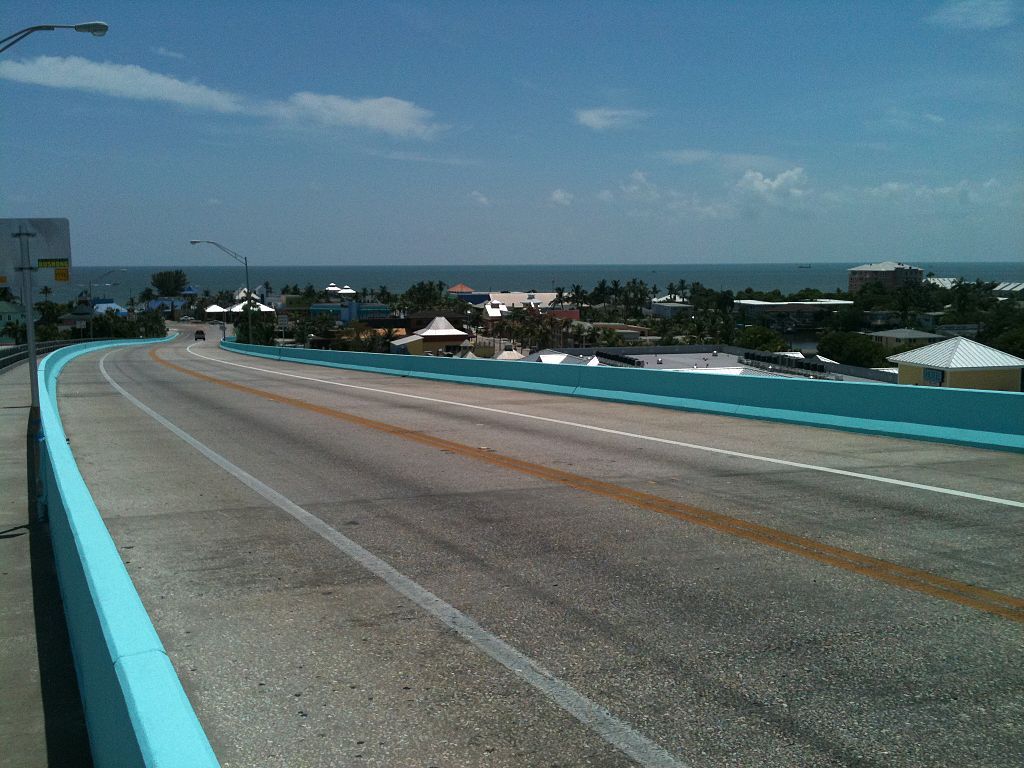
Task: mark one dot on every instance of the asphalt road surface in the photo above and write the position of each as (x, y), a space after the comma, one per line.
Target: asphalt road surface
(356, 569)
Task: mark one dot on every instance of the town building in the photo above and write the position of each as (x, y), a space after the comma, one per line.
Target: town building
(1009, 291)
(788, 315)
(555, 357)
(345, 312)
(12, 315)
(439, 337)
(961, 363)
(669, 306)
(904, 337)
(891, 275)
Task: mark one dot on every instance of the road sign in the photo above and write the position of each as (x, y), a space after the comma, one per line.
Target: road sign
(49, 250)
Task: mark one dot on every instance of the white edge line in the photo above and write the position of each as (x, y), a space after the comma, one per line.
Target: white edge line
(620, 433)
(595, 717)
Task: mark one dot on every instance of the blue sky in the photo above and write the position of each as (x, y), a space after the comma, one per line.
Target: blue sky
(478, 133)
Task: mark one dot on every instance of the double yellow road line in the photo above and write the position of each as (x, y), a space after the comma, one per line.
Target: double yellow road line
(982, 599)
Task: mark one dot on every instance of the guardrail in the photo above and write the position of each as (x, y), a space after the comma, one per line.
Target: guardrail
(15, 353)
(978, 418)
(136, 712)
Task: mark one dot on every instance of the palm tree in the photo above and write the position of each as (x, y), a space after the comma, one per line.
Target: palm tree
(616, 291)
(16, 330)
(608, 338)
(578, 297)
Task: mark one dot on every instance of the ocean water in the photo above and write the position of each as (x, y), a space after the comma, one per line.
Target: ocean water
(787, 278)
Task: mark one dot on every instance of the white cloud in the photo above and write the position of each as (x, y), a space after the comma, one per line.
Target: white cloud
(688, 156)
(161, 51)
(419, 157)
(964, 193)
(906, 120)
(732, 161)
(974, 14)
(605, 118)
(395, 117)
(391, 116)
(639, 187)
(480, 198)
(561, 197)
(605, 196)
(126, 81)
(785, 188)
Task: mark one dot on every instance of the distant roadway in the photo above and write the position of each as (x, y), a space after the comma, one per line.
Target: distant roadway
(357, 569)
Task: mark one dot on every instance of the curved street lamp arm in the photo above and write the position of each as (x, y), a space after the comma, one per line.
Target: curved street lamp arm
(18, 37)
(96, 28)
(236, 256)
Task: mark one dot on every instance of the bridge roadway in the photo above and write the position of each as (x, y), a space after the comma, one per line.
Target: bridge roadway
(355, 569)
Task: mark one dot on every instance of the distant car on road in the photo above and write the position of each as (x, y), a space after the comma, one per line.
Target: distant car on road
(200, 336)
(186, 319)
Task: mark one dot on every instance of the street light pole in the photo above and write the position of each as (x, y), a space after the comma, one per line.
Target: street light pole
(92, 311)
(244, 262)
(95, 28)
(98, 29)
(34, 425)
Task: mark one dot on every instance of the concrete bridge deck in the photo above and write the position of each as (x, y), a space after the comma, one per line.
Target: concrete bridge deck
(356, 569)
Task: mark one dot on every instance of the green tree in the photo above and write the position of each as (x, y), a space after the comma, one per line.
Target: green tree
(170, 282)
(760, 338)
(852, 349)
(263, 325)
(14, 329)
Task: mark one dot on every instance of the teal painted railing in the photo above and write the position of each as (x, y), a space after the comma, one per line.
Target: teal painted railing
(979, 418)
(136, 712)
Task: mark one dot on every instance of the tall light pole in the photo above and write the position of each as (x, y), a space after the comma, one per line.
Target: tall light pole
(98, 29)
(92, 312)
(95, 28)
(248, 291)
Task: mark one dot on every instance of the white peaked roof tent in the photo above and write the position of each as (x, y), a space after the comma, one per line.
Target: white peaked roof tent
(243, 291)
(214, 309)
(440, 326)
(240, 307)
(343, 291)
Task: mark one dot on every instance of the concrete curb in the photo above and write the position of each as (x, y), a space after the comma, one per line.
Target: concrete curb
(136, 711)
(975, 418)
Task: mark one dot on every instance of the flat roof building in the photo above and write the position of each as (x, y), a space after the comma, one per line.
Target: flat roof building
(891, 274)
(901, 337)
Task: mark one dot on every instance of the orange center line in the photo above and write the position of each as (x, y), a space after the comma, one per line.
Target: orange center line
(982, 599)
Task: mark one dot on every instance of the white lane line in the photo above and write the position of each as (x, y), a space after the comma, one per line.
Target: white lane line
(598, 719)
(636, 436)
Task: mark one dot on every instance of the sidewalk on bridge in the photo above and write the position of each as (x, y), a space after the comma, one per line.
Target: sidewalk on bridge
(41, 722)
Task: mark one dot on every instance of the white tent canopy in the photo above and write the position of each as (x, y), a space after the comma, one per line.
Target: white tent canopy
(240, 307)
(214, 309)
(243, 291)
(440, 327)
(343, 291)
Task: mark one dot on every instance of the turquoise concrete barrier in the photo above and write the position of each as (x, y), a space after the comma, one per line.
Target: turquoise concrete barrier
(979, 418)
(136, 712)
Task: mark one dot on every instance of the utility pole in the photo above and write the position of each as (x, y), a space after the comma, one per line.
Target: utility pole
(32, 435)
